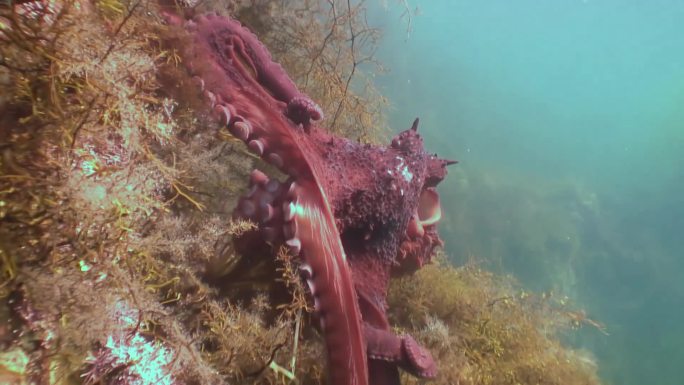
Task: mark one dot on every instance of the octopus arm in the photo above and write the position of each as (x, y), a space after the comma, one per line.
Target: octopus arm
(332, 287)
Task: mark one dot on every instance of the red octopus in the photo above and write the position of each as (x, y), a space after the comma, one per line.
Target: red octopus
(354, 214)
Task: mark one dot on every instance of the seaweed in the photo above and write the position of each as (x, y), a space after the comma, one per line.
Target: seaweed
(486, 329)
(328, 49)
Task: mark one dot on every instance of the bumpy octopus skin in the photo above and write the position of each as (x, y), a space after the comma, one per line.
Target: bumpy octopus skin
(354, 214)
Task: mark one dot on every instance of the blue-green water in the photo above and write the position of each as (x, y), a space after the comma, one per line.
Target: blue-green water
(568, 119)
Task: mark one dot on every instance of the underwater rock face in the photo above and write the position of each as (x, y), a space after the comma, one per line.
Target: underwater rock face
(355, 214)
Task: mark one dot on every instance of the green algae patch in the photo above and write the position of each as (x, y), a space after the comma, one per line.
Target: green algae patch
(13, 365)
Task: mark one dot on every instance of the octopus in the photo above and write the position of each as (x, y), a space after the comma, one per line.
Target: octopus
(354, 214)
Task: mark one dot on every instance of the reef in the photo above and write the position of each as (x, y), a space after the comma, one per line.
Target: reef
(139, 245)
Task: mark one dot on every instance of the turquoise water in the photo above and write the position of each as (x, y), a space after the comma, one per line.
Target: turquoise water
(568, 119)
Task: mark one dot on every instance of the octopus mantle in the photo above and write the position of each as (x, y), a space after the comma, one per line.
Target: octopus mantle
(354, 214)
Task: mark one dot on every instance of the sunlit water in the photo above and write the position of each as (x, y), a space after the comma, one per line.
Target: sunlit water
(567, 117)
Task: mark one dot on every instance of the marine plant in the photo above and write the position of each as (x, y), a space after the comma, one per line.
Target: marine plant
(487, 329)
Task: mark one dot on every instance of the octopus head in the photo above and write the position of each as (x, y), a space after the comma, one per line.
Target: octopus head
(421, 235)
